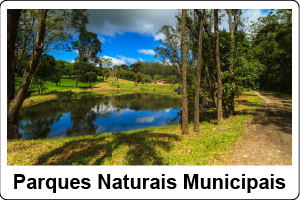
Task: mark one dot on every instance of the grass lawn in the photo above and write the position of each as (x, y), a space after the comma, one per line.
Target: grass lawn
(150, 146)
(101, 86)
(122, 84)
(65, 85)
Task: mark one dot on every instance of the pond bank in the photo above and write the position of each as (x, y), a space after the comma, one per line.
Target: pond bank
(150, 146)
(105, 87)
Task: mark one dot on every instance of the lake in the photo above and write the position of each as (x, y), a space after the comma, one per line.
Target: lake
(92, 113)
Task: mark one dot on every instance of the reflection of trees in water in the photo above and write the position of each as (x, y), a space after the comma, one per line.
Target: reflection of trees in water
(141, 101)
(85, 109)
(176, 120)
(39, 118)
(39, 128)
(203, 115)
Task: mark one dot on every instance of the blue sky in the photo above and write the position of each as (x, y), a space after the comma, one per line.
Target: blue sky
(128, 47)
(130, 35)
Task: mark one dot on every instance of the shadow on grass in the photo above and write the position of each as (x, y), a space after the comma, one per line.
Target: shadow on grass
(250, 104)
(138, 148)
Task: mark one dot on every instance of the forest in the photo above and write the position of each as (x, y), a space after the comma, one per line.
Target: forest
(194, 55)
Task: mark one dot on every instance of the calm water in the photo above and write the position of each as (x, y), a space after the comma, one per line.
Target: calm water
(90, 113)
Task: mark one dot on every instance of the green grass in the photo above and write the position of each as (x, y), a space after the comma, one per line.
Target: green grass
(151, 146)
(147, 87)
(65, 85)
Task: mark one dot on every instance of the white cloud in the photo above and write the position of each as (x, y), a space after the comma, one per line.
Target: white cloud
(146, 51)
(76, 51)
(144, 119)
(72, 61)
(140, 59)
(159, 36)
(115, 61)
(253, 15)
(124, 58)
(102, 39)
(167, 61)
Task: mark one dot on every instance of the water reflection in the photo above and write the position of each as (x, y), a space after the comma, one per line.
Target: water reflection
(90, 113)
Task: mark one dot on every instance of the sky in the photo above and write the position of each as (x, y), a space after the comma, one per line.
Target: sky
(128, 36)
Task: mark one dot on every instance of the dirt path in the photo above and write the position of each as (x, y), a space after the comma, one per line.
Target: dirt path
(269, 138)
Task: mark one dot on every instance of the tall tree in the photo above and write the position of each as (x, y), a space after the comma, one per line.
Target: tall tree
(170, 48)
(88, 46)
(230, 98)
(15, 105)
(13, 17)
(220, 87)
(184, 117)
(198, 76)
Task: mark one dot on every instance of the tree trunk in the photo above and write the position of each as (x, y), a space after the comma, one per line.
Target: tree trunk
(15, 105)
(209, 58)
(211, 88)
(230, 101)
(219, 78)
(238, 21)
(198, 76)
(13, 17)
(184, 117)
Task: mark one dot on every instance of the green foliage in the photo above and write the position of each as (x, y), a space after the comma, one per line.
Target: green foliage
(88, 46)
(47, 71)
(81, 69)
(170, 46)
(68, 69)
(272, 47)
(136, 67)
(172, 79)
(105, 62)
(147, 78)
(158, 77)
(139, 77)
(90, 77)
(106, 72)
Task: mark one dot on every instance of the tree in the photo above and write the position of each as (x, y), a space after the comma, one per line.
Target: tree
(57, 34)
(47, 71)
(272, 47)
(124, 67)
(170, 48)
(114, 74)
(59, 69)
(136, 67)
(88, 46)
(105, 63)
(198, 75)
(90, 77)
(13, 17)
(184, 125)
(16, 103)
(220, 88)
(230, 96)
(47, 31)
(81, 68)
(139, 77)
(68, 69)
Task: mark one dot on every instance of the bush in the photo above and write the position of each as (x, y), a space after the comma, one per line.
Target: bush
(158, 77)
(172, 79)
